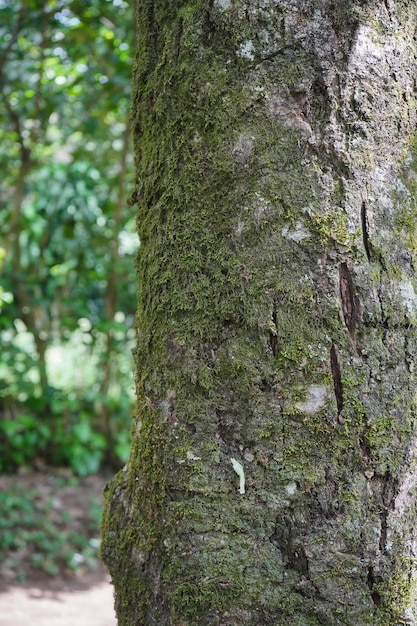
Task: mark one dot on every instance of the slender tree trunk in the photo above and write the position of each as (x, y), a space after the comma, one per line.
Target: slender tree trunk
(272, 474)
(106, 424)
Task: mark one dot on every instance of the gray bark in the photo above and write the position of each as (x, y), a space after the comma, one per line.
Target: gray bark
(273, 466)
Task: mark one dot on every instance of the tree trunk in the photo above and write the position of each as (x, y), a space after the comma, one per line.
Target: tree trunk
(273, 468)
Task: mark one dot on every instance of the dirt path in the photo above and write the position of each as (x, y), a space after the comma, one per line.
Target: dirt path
(86, 602)
(66, 506)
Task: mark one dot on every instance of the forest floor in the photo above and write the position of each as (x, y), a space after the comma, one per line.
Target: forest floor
(79, 595)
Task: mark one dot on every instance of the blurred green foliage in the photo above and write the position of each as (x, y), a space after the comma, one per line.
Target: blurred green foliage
(37, 535)
(67, 285)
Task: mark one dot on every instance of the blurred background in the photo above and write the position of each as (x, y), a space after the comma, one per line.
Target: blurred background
(67, 279)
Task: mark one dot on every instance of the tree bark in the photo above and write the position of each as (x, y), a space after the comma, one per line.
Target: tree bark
(272, 474)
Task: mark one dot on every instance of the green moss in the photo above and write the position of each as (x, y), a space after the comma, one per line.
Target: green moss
(191, 600)
(331, 227)
(396, 593)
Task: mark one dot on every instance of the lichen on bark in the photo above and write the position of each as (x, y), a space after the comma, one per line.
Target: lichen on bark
(276, 320)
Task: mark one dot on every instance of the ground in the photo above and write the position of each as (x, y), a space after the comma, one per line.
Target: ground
(59, 511)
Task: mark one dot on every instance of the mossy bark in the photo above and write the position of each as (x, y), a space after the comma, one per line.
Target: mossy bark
(277, 312)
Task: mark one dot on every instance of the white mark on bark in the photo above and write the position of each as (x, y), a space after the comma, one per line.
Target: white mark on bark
(409, 297)
(239, 471)
(246, 50)
(291, 488)
(316, 399)
(298, 234)
(224, 4)
(192, 457)
(366, 47)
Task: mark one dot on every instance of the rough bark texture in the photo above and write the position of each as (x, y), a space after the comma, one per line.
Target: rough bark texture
(276, 173)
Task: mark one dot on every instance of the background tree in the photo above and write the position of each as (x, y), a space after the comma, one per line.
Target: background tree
(272, 474)
(68, 237)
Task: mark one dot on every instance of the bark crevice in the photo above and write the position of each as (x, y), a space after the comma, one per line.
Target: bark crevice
(337, 378)
(372, 581)
(350, 302)
(365, 231)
